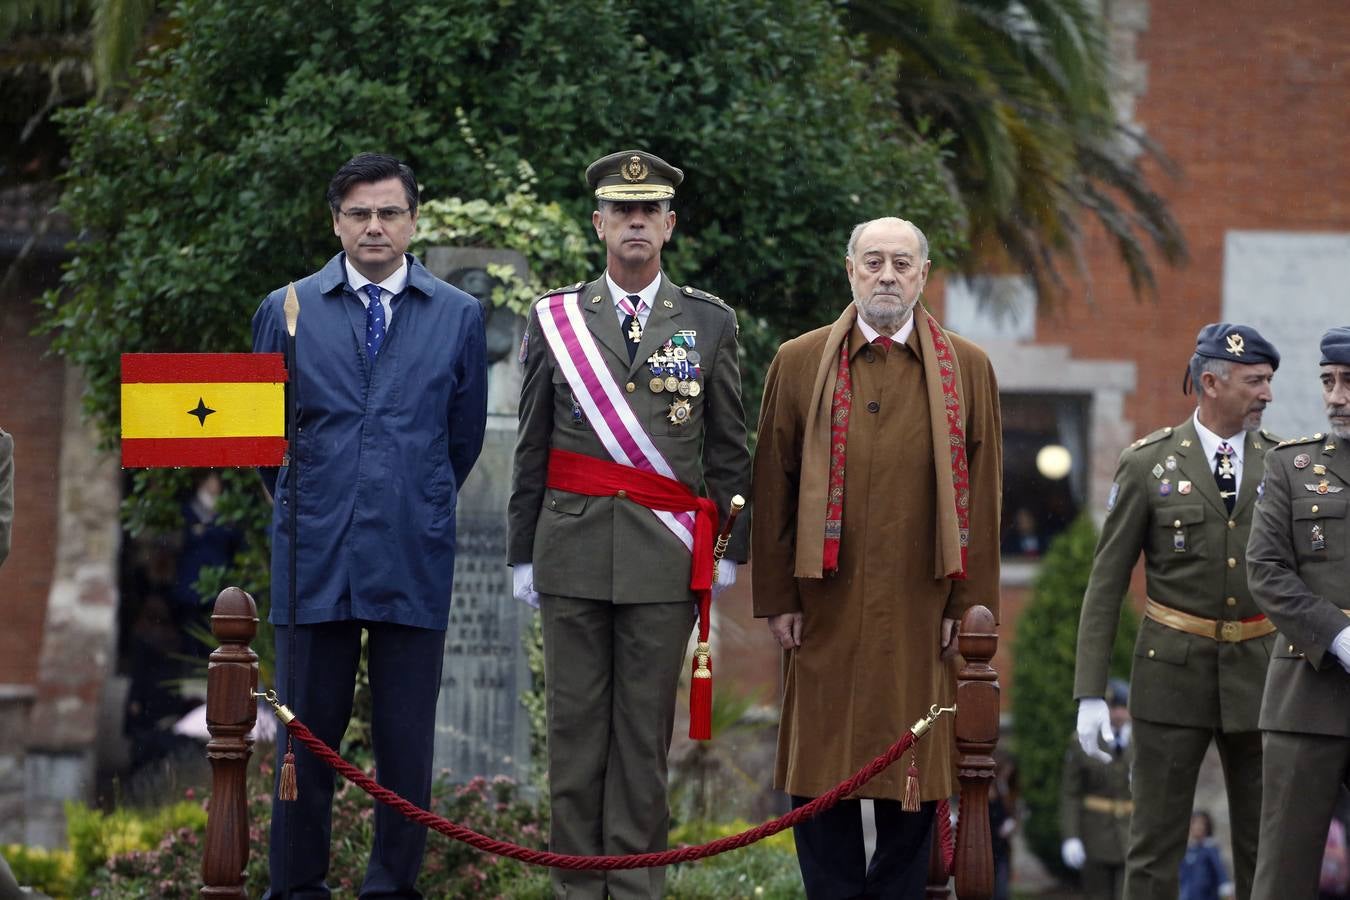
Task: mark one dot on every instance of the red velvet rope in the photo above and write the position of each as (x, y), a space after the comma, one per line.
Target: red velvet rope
(482, 842)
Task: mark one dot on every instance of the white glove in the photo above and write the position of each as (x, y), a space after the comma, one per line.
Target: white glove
(1073, 853)
(1340, 645)
(522, 584)
(1094, 721)
(725, 577)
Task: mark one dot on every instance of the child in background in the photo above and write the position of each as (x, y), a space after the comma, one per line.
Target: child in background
(1203, 874)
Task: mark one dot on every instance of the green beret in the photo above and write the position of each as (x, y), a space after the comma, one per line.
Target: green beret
(633, 176)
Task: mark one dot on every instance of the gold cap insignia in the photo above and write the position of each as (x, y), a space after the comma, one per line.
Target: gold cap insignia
(1235, 344)
(634, 169)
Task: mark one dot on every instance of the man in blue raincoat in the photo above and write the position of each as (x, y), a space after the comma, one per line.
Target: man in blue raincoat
(391, 383)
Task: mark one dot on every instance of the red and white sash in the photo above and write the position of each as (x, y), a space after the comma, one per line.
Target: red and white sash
(605, 405)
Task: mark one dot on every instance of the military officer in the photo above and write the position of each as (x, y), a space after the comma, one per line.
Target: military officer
(1183, 496)
(1298, 564)
(630, 412)
(1095, 804)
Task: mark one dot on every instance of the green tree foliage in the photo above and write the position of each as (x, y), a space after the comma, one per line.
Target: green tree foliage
(203, 190)
(1044, 711)
(1024, 88)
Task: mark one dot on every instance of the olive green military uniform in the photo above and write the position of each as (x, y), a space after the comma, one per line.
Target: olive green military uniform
(1298, 565)
(1095, 806)
(614, 581)
(1185, 689)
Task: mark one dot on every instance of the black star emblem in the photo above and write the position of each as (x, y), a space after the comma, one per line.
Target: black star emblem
(201, 412)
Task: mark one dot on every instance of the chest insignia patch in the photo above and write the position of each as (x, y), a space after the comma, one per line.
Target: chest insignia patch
(1183, 487)
(1157, 471)
(1301, 461)
(1112, 497)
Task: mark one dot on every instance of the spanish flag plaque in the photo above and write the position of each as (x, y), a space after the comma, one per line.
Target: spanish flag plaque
(203, 409)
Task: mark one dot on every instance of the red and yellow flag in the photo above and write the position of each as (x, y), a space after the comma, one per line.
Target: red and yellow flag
(203, 409)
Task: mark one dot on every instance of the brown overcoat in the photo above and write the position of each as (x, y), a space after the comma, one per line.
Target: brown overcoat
(868, 665)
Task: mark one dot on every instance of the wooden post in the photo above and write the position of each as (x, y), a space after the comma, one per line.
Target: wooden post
(977, 710)
(231, 711)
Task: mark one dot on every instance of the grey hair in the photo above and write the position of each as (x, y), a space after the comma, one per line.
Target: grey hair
(1220, 368)
(862, 226)
(602, 205)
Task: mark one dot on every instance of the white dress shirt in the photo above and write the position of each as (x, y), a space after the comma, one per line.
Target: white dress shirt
(390, 288)
(899, 337)
(648, 295)
(1209, 442)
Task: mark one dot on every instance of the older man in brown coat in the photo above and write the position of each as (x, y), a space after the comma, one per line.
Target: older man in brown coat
(876, 489)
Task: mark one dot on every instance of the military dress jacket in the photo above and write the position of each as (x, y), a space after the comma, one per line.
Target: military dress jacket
(1298, 563)
(608, 548)
(1094, 801)
(1164, 503)
(382, 448)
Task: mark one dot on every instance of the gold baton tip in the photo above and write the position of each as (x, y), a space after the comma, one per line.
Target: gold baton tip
(291, 307)
(737, 503)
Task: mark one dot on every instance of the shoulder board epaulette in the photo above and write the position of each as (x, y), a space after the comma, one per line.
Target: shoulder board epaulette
(702, 295)
(565, 289)
(1306, 439)
(1152, 438)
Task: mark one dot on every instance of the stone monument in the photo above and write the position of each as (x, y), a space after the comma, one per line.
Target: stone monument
(481, 726)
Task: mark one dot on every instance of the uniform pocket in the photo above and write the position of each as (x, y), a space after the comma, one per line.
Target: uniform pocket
(1159, 643)
(1320, 529)
(1179, 528)
(565, 503)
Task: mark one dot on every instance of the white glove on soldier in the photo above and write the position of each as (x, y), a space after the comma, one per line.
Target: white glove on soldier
(1073, 853)
(522, 584)
(725, 577)
(1094, 721)
(1340, 645)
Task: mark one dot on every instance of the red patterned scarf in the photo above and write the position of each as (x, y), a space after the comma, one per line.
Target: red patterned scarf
(953, 472)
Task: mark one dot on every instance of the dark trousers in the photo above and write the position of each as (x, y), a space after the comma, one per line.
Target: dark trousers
(405, 678)
(611, 671)
(1166, 765)
(1304, 774)
(833, 860)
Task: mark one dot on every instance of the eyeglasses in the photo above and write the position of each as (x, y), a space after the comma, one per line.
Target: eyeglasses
(388, 214)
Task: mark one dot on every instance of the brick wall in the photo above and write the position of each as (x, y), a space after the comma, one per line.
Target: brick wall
(31, 385)
(1248, 98)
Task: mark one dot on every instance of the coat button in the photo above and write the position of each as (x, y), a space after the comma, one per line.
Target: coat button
(868, 355)
(1232, 524)
(1291, 648)
(1314, 508)
(621, 494)
(1232, 563)
(1176, 524)
(630, 387)
(553, 504)
(1152, 653)
(1231, 601)
(873, 406)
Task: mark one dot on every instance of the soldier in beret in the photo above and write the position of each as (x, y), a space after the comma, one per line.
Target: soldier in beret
(1095, 803)
(1298, 564)
(631, 395)
(1183, 496)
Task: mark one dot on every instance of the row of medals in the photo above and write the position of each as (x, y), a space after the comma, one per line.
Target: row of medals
(675, 370)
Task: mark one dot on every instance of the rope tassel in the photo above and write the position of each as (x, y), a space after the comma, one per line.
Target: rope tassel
(287, 789)
(912, 797)
(700, 694)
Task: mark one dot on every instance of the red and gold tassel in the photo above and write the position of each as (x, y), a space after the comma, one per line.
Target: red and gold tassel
(287, 788)
(700, 694)
(912, 796)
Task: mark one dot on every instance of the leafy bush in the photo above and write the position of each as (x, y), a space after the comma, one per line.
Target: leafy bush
(49, 871)
(96, 837)
(1044, 710)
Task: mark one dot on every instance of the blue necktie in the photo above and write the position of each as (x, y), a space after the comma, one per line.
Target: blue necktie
(374, 322)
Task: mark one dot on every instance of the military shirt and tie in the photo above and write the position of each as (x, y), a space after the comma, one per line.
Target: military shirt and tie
(1201, 655)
